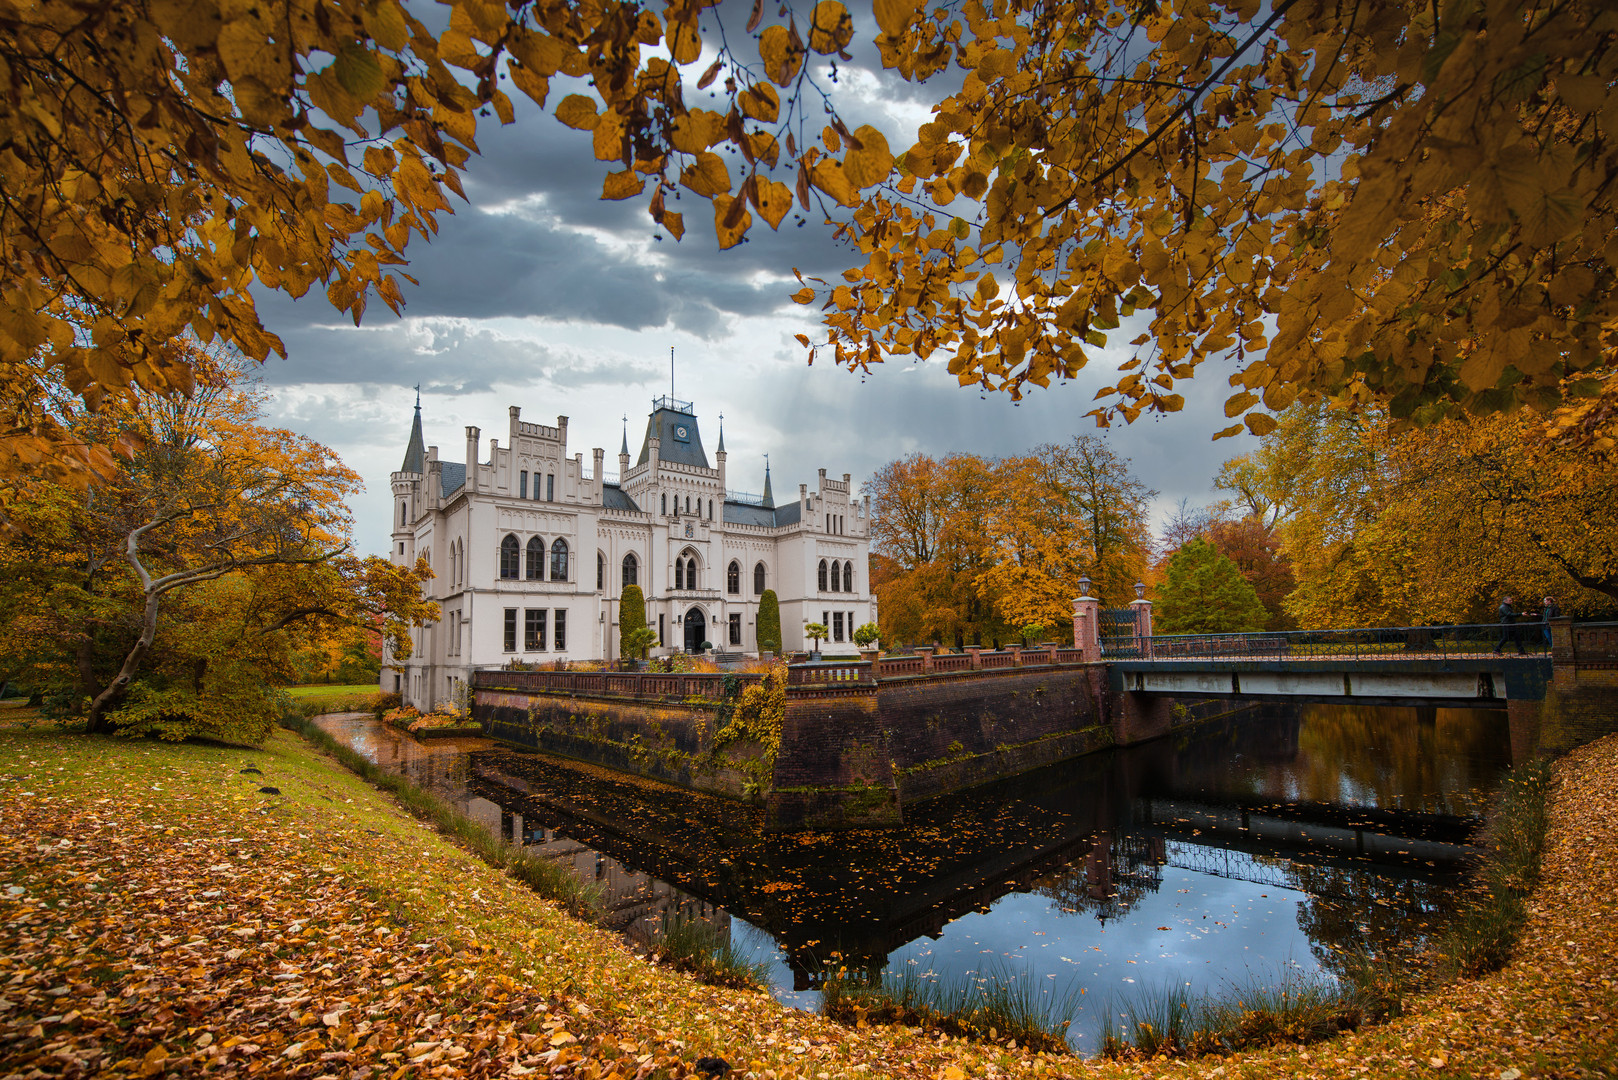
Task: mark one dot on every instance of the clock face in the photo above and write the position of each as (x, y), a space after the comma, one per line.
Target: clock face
(681, 432)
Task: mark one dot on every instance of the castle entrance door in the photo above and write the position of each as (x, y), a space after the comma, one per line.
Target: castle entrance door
(696, 627)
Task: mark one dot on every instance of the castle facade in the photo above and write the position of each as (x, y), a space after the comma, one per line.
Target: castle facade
(532, 549)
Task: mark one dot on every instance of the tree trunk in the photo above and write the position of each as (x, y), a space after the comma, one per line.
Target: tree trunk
(119, 686)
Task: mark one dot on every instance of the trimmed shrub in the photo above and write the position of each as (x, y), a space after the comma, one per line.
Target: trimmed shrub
(631, 618)
(769, 621)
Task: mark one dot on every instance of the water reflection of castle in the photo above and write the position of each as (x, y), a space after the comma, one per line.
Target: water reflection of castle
(1096, 836)
(634, 902)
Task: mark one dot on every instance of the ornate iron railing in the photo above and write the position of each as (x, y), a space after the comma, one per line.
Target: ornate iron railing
(1375, 643)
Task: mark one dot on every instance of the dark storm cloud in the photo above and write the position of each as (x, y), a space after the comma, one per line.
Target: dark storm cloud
(444, 356)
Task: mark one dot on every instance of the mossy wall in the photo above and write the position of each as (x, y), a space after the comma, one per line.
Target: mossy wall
(670, 741)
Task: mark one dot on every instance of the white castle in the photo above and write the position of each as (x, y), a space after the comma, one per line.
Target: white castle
(532, 549)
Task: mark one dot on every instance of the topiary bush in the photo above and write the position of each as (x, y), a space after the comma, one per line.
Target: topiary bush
(769, 622)
(631, 618)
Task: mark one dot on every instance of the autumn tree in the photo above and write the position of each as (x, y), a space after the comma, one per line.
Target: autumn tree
(1256, 552)
(1418, 198)
(1061, 513)
(1388, 202)
(172, 597)
(1204, 593)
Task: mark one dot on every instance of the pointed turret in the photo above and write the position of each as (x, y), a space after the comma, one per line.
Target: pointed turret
(769, 496)
(623, 451)
(721, 449)
(415, 459)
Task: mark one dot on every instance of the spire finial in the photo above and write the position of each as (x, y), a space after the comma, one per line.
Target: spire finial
(625, 448)
(769, 496)
(721, 433)
(418, 397)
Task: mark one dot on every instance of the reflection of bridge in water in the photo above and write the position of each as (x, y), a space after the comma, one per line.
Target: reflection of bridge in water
(1094, 835)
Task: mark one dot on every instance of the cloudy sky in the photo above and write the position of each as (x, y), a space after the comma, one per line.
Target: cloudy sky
(540, 295)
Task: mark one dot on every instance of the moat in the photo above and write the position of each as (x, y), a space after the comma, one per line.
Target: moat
(1252, 849)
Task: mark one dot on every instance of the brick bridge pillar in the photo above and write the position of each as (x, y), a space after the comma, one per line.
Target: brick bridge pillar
(1087, 624)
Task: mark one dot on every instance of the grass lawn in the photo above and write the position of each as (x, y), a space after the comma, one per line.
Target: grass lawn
(167, 909)
(322, 690)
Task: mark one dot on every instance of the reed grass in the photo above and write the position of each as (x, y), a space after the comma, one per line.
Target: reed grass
(1170, 1022)
(996, 1006)
(699, 948)
(585, 900)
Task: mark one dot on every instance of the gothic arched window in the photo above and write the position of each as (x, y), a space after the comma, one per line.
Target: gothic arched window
(509, 556)
(559, 560)
(733, 578)
(631, 570)
(822, 575)
(536, 559)
(679, 573)
(848, 577)
(758, 580)
(601, 571)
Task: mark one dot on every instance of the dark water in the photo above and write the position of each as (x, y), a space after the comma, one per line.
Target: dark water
(1250, 850)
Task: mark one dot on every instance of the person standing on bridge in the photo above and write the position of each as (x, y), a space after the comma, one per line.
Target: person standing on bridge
(1508, 631)
(1546, 614)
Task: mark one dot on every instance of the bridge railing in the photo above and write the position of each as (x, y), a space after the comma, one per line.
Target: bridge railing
(1385, 642)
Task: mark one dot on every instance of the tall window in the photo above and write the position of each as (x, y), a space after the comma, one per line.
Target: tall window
(691, 573)
(848, 577)
(822, 575)
(536, 558)
(688, 504)
(559, 560)
(733, 578)
(601, 571)
(710, 509)
(511, 629)
(631, 569)
(522, 485)
(561, 629)
(509, 557)
(736, 629)
(550, 487)
(665, 502)
(533, 629)
(758, 580)
(401, 513)
(837, 626)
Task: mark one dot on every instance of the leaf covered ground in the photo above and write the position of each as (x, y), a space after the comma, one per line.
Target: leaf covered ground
(164, 912)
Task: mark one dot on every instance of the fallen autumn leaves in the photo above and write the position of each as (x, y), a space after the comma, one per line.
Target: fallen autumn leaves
(164, 917)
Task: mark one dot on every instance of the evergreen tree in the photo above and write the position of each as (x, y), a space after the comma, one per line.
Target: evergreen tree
(631, 617)
(1206, 594)
(769, 622)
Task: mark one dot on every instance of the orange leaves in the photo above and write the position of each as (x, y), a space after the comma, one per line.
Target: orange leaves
(731, 219)
(707, 175)
(782, 52)
(622, 185)
(577, 111)
(830, 27)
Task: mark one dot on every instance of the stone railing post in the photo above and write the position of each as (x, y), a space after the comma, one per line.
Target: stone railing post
(1087, 626)
(973, 651)
(1016, 655)
(1143, 626)
(1563, 646)
(926, 654)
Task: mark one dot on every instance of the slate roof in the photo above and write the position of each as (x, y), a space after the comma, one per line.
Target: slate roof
(768, 517)
(451, 478)
(415, 450)
(661, 425)
(613, 497)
